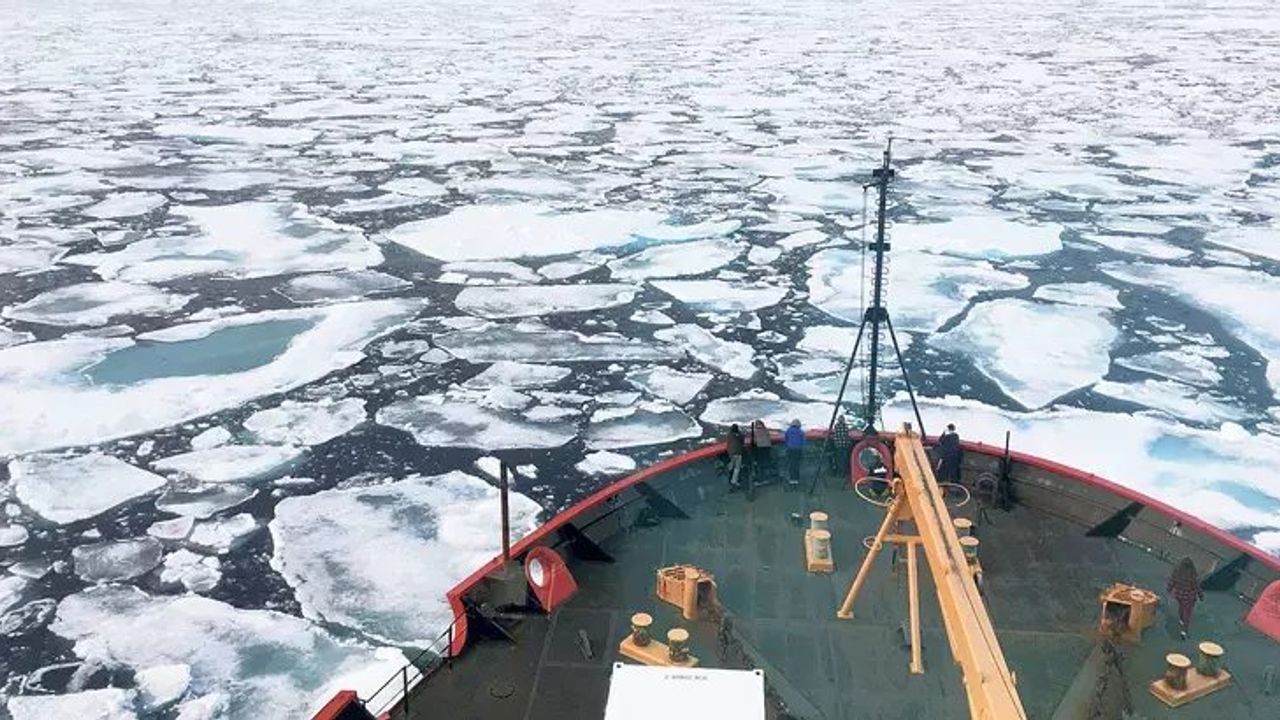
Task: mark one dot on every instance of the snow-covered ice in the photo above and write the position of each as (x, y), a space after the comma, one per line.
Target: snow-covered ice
(1260, 240)
(182, 373)
(727, 356)
(650, 423)
(534, 342)
(1173, 398)
(440, 420)
(538, 300)
(978, 236)
(123, 205)
(163, 685)
(605, 463)
(11, 590)
(776, 413)
(176, 529)
(95, 303)
(506, 373)
(65, 490)
(231, 463)
(306, 423)
(1036, 352)
(676, 260)
(721, 296)
(211, 438)
(337, 287)
(196, 573)
(201, 501)
(1189, 365)
(116, 560)
(1088, 294)
(663, 382)
(12, 535)
(103, 704)
(223, 534)
(379, 559)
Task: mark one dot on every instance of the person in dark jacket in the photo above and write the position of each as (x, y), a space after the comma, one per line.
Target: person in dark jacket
(1184, 586)
(949, 456)
(735, 448)
(761, 453)
(793, 438)
(842, 443)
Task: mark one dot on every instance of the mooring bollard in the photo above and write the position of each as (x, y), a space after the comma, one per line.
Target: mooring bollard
(1210, 659)
(677, 647)
(640, 623)
(1175, 670)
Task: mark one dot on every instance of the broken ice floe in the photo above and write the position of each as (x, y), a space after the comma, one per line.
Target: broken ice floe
(10, 337)
(95, 303)
(537, 300)
(245, 240)
(663, 261)
(776, 413)
(102, 704)
(486, 272)
(663, 382)
(163, 685)
(721, 296)
(223, 534)
(201, 501)
(81, 391)
(11, 590)
(230, 463)
(12, 535)
(605, 463)
(379, 559)
(65, 490)
(505, 373)
(1035, 352)
(126, 204)
(116, 560)
(650, 423)
(1088, 294)
(979, 236)
(337, 287)
(116, 625)
(306, 423)
(196, 573)
(538, 343)
(1172, 398)
(1191, 364)
(727, 356)
(458, 421)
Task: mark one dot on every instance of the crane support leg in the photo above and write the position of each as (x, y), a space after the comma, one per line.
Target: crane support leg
(846, 608)
(913, 592)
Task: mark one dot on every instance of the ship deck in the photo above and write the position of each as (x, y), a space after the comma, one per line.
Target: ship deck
(1042, 580)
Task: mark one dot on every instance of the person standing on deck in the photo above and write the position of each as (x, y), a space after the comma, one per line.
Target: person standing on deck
(793, 438)
(1184, 586)
(949, 454)
(843, 445)
(734, 446)
(761, 452)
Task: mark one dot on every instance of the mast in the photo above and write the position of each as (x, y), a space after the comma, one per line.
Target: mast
(877, 313)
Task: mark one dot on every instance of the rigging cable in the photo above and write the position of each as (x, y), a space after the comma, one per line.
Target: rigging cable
(862, 296)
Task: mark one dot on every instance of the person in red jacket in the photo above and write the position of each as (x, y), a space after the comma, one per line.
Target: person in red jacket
(1184, 586)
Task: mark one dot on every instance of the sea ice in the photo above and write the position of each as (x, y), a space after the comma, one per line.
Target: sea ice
(1247, 310)
(116, 560)
(927, 289)
(721, 296)
(181, 373)
(978, 236)
(493, 232)
(12, 535)
(537, 300)
(379, 559)
(650, 423)
(415, 187)
(652, 317)
(804, 238)
(506, 373)
(230, 463)
(163, 685)
(1260, 240)
(306, 423)
(202, 501)
(176, 529)
(95, 303)
(727, 356)
(663, 382)
(224, 534)
(1174, 399)
(537, 343)
(237, 134)
(776, 413)
(28, 255)
(763, 254)
(245, 240)
(1183, 364)
(127, 204)
(1137, 245)
(1087, 294)
(456, 421)
(65, 490)
(337, 287)
(605, 463)
(677, 260)
(116, 625)
(1036, 352)
(486, 272)
(9, 337)
(196, 573)
(11, 589)
(103, 704)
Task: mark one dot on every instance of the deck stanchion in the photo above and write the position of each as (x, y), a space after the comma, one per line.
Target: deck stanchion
(506, 512)
(404, 677)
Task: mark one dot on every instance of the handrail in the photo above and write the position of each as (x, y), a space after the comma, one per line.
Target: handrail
(439, 654)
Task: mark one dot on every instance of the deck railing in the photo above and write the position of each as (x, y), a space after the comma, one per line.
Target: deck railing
(397, 690)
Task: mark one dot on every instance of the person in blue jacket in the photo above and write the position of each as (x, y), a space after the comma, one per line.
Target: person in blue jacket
(793, 438)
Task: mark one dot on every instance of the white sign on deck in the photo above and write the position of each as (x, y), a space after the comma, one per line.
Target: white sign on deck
(638, 692)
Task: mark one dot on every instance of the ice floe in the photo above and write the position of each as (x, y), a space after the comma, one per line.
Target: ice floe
(537, 300)
(176, 529)
(927, 289)
(650, 423)
(486, 272)
(196, 573)
(535, 342)
(337, 287)
(493, 232)
(663, 382)
(978, 236)
(1138, 245)
(439, 420)
(116, 560)
(116, 625)
(103, 704)
(211, 438)
(231, 463)
(163, 685)
(201, 501)
(11, 590)
(306, 423)
(605, 463)
(1035, 352)
(127, 204)
(9, 337)
(1247, 311)
(1192, 365)
(727, 356)
(12, 535)
(65, 490)
(379, 559)
(223, 534)
(506, 373)
(245, 240)
(1173, 398)
(721, 296)
(179, 374)
(676, 260)
(237, 134)
(1088, 294)
(95, 303)
(776, 413)
(1260, 240)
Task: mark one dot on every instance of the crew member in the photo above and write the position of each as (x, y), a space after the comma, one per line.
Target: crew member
(734, 446)
(1184, 586)
(949, 455)
(794, 440)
